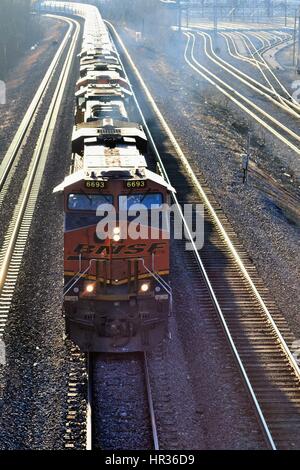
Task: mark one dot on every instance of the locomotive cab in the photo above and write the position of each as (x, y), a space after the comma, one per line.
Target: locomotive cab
(117, 297)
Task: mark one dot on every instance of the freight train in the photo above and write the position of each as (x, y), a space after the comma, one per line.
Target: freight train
(117, 296)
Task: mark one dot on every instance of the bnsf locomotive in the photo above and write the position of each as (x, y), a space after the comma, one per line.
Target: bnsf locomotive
(116, 292)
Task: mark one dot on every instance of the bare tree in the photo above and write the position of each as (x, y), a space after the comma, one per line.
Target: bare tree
(16, 31)
(150, 17)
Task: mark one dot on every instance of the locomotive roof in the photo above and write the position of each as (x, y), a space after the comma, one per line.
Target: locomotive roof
(113, 108)
(104, 57)
(100, 157)
(100, 66)
(96, 74)
(109, 90)
(105, 128)
(101, 60)
(82, 176)
(94, 49)
(95, 130)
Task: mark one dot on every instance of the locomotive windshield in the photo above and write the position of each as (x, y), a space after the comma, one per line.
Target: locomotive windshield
(150, 201)
(88, 202)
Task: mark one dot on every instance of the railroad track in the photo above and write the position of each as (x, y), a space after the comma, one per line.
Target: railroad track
(276, 128)
(230, 286)
(120, 409)
(229, 38)
(277, 39)
(267, 72)
(11, 159)
(12, 250)
(283, 102)
(275, 92)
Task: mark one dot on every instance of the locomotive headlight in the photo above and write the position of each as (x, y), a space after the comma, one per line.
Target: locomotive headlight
(145, 287)
(90, 288)
(116, 234)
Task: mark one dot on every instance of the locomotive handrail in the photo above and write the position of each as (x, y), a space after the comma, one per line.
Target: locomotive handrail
(81, 275)
(159, 279)
(156, 277)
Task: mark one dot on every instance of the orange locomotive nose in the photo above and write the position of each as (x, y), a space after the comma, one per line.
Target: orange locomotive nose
(115, 257)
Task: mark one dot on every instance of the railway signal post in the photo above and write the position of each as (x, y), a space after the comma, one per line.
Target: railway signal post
(246, 160)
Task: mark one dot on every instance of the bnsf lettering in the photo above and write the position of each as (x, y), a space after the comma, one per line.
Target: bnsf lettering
(118, 249)
(135, 249)
(84, 249)
(155, 247)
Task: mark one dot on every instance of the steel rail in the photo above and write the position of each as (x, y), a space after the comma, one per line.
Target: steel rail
(264, 40)
(246, 79)
(288, 41)
(213, 214)
(263, 72)
(281, 41)
(90, 415)
(279, 47)
(244, 271)
(89, 412)
(267, 66)
(24, 127)
(278, 39)
(230, 36)
(233, 95)
(292, 106)
(150, 404)
(252, 61)
(11, 254)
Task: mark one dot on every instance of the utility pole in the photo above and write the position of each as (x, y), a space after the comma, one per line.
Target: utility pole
(179, 15)
(295, 39)
(246, 160)
(269, 7)
(215, 17)
(143, 28)
(285, 13)
(188, 14)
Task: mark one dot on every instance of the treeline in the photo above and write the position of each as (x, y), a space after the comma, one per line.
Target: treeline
(150, 17)
(18, 30)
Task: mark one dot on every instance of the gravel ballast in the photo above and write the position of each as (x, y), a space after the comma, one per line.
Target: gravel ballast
(214, 135)
(34, 385)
